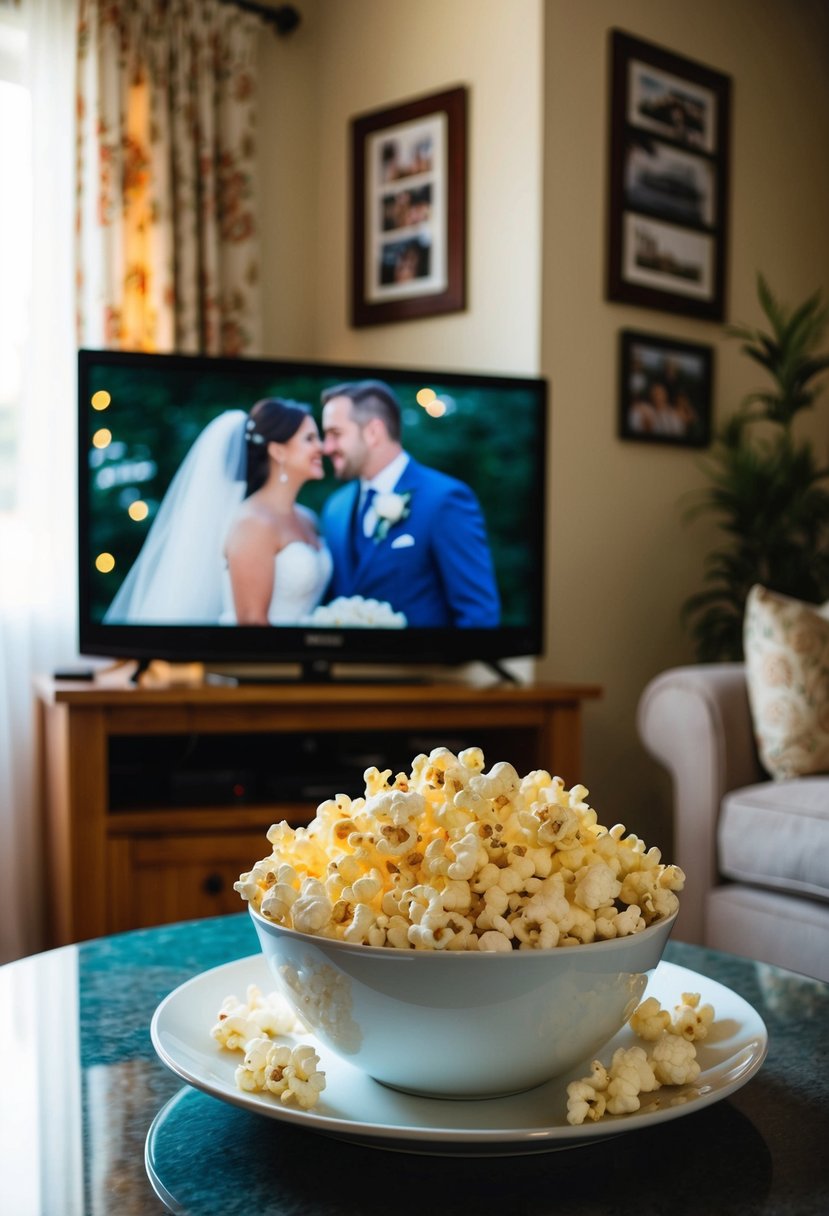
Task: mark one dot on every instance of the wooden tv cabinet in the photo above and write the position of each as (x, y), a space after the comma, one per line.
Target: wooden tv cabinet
(156, 799)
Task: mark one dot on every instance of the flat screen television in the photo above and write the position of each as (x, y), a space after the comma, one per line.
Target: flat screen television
(140, 416)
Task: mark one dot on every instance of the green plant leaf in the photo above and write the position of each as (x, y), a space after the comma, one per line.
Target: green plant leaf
(765, 489)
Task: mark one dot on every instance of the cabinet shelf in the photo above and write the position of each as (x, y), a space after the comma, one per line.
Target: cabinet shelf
(152, 821)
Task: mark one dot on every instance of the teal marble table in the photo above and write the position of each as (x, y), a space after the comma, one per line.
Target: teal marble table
(80, 1086)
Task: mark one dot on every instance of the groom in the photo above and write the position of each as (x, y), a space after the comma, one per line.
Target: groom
(400, 531)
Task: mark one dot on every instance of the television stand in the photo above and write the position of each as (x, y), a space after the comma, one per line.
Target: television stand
(155, 799)
(315, 672)
(321, 671)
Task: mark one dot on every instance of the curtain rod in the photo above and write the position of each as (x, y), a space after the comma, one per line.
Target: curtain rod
(284, 18)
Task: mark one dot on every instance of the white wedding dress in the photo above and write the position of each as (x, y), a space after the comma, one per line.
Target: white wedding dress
(301, 573)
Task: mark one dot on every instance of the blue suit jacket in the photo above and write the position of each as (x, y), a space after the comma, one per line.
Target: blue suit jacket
(434, 565)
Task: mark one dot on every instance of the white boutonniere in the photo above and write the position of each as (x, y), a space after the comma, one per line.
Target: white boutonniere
(390, 509)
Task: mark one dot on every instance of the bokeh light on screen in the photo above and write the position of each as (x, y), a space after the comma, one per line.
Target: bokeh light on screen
(138, 510)
(102, 438)
(425, 396)
(105, 562)
(101, 400)
(436, 408)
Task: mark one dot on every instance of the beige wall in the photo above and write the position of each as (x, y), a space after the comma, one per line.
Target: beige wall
(289, 120)
(366, 54)
(621, 561)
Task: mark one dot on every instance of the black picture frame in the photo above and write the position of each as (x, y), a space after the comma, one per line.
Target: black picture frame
(669, 149)
(409, 209)
(665, 390)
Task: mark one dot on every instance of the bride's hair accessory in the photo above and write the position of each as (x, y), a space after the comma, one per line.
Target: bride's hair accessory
(251, 433)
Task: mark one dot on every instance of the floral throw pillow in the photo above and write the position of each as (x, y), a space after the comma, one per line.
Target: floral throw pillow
(786, 645)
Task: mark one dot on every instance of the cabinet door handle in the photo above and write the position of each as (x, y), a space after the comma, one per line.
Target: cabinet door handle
(214, 884)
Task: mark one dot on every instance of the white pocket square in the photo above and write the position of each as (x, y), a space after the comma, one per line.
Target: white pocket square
(405, 541)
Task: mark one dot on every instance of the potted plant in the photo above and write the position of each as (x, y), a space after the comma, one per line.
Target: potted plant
(766, 488)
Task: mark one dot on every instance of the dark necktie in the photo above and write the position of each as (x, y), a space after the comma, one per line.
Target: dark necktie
(361, 541)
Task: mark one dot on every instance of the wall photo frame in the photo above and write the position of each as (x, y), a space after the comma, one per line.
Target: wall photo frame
(670, 121)
(665, 389)
(409, 209)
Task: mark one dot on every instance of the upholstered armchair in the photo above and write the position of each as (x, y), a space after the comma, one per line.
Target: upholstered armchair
(755, 850)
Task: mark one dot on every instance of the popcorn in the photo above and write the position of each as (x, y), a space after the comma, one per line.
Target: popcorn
(240, 1021)
(596, 886)
(234, 1031)
(288, 1071)
(450, 856)
(649, 1020)
(689, 1020)
(672, 1061)
(631, 1074)
(586, 1099)
(494, 941)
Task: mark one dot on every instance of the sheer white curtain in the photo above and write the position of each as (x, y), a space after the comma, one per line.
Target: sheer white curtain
(37, 562)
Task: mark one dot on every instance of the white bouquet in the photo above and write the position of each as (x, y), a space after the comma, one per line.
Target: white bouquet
(354, 611)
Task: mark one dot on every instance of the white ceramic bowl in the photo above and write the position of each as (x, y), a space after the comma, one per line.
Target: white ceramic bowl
(461, 1024)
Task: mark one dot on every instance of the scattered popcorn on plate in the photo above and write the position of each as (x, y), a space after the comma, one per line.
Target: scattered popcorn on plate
(450, 857)
(289, 1071)
(615, 1090)
(239, 1021)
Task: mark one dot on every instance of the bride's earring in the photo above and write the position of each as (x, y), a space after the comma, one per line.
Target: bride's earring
(283, 476)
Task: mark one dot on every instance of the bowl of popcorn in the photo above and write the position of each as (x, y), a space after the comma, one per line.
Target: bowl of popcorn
(457, 932)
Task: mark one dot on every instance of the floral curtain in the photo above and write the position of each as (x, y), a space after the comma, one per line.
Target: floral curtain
(167, 239)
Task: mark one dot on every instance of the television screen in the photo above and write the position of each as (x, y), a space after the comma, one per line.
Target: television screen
(270, 511)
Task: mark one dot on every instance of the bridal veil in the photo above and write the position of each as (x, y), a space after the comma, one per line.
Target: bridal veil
(177, 577)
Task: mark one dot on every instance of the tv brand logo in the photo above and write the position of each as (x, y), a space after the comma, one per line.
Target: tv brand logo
(324, 639)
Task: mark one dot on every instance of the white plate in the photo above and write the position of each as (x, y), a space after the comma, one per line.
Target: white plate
(354, 1107)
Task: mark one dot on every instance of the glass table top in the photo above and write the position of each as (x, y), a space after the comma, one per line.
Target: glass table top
(93, 1123)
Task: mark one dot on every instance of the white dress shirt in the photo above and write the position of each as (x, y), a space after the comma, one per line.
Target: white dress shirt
(383, 483)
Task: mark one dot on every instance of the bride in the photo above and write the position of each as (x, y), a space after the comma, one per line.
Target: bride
(230, 543)
(277, 565)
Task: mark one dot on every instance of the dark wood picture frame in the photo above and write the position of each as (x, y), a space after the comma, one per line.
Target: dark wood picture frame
(665, 389)
(670, 121)
(409, 209)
